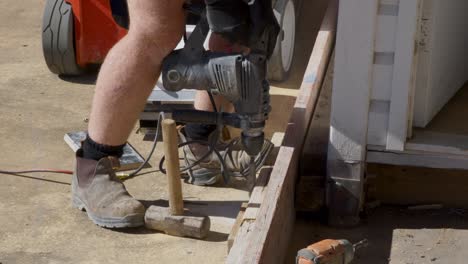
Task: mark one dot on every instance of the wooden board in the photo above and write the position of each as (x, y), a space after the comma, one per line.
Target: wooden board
(236, 226)
(377, 154)
(314, 154)
(258, 195)
(265, 240)
(310, 189)
(433, 142)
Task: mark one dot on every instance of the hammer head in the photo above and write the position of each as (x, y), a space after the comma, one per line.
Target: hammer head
(187, 225)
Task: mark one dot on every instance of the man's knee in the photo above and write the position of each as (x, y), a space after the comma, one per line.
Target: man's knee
(157, 24)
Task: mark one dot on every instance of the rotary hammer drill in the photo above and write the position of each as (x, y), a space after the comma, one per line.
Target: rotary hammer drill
(240, 78)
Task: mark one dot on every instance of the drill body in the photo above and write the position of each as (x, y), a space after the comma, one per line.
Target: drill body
(240, 78)
(329, 251)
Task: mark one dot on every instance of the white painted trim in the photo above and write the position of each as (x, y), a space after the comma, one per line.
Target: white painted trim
(354, 59)
(403, 74)
(417, 159)
(443, 143)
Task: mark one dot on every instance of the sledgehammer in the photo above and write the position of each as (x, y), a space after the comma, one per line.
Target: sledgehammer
(175, 220)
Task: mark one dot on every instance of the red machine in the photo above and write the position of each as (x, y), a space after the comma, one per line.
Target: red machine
(79, 33)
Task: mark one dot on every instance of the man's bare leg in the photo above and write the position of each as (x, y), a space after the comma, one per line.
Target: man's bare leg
(132, 67)
(125, 81)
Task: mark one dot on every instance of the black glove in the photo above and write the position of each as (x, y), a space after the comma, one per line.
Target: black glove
(264, 27)
(229, 18)
(245, 24)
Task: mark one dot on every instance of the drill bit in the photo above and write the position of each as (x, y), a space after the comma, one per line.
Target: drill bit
(251, 177)
(361, 244)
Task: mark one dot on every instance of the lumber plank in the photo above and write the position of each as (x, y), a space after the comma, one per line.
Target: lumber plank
(434, 142)
(236, 227)
(268, 237)
(417, 158)
(314, 154)
(249, 210)
(310, 190)
(257, 195)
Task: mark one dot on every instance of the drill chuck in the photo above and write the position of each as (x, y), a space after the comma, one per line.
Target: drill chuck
(253, 143)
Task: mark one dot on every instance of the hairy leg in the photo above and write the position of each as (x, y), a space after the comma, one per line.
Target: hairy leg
(132, 67)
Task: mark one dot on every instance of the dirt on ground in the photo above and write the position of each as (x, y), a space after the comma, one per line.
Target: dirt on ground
(37, 223)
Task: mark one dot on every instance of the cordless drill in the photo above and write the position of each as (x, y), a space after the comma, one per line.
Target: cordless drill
(240, 78)
(329, 251)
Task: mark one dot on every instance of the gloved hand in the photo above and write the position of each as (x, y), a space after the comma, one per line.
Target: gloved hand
(248, 25)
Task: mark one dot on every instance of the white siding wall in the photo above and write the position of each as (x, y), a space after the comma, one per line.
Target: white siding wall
(443, 62)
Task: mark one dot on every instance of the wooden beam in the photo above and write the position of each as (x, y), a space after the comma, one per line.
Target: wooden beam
(376, 154)
(266, 239)
(236, 226)
(310, 192)
(351, 95)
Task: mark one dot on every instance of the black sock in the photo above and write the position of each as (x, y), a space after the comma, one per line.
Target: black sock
(96, 151)
(199, 131)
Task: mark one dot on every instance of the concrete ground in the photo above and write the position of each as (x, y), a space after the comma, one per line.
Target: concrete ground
(37, 223)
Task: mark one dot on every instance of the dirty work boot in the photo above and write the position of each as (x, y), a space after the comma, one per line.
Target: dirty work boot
(96, 189)
(208, 172)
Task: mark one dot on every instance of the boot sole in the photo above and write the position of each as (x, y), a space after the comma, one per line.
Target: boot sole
(132, 220)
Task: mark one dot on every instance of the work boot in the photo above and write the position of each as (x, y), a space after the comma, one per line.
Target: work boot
(208, 171)
(97, 190)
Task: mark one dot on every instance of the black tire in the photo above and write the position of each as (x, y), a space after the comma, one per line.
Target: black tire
(278, 65)
(58, 41)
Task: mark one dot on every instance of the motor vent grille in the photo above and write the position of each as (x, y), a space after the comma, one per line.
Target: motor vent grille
(245, 73)
(220, 78)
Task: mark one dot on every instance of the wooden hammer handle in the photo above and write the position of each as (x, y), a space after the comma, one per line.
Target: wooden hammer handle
(170, 138)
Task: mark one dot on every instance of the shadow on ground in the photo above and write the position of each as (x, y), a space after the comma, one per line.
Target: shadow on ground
(88, 78)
